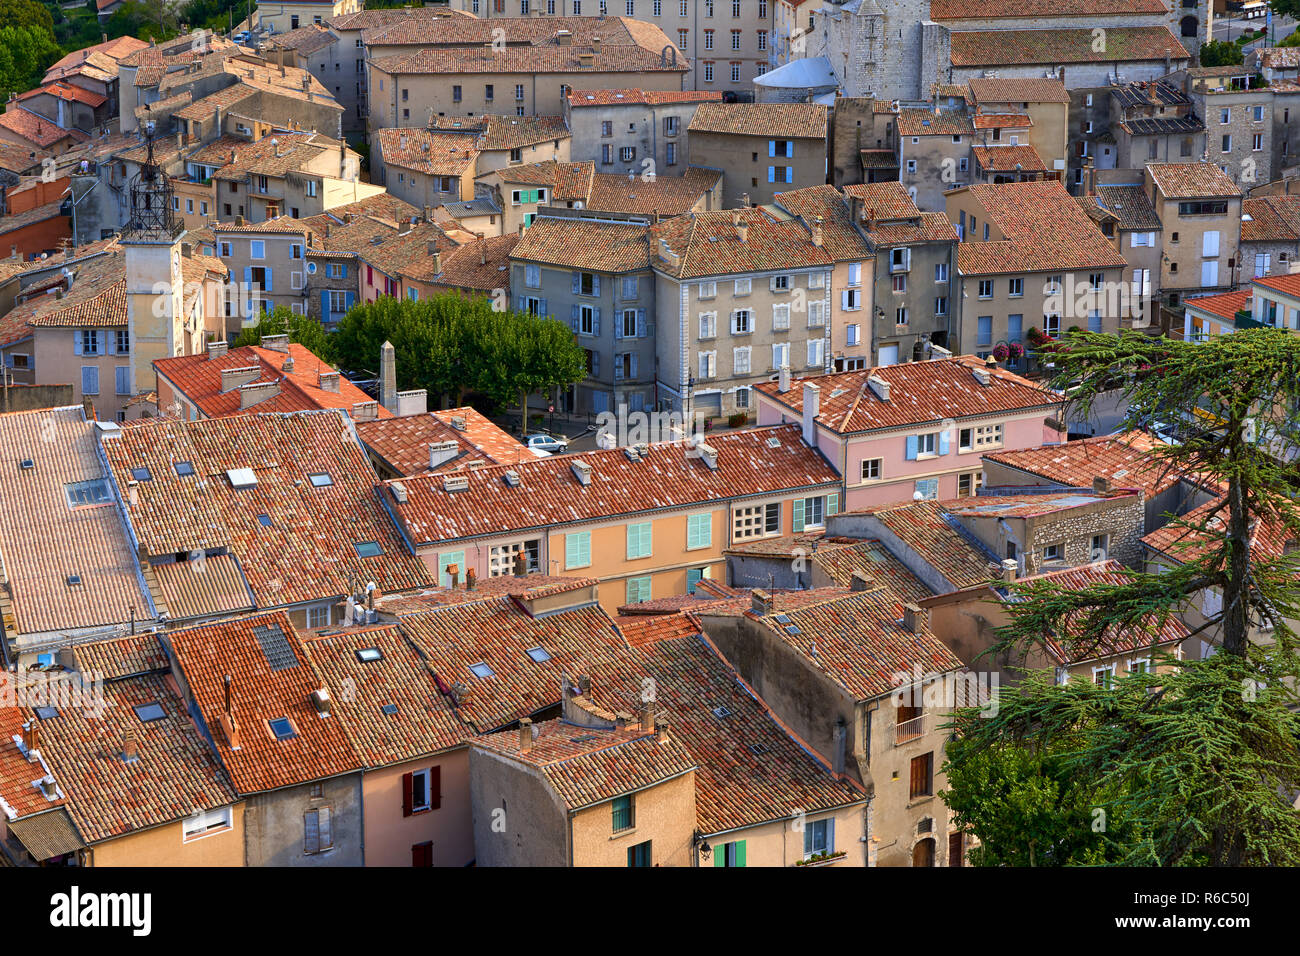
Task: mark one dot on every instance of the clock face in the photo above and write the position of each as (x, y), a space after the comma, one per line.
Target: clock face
(176, 260)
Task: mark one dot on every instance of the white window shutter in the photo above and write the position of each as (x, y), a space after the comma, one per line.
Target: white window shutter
(1210, 243)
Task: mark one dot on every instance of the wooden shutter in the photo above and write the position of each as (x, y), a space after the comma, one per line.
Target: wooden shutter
(435, 790)
(798, 515)
(917, 783)
(407, 790)
(955, 854)
(740, 853)
(912, 447)
(326, 829)
(311, 832)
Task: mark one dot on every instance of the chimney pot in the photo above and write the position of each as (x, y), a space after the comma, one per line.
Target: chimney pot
(914, 618)
(1101, 486)
(525, 734)
(1010, 567)
(648, 717)
(760, 601)
(860, 582)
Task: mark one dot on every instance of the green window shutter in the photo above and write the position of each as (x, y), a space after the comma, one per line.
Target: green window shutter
(798, 515)
(740, 853)
(832, 504)
(699, 531)
(720, 855)
(577, 549)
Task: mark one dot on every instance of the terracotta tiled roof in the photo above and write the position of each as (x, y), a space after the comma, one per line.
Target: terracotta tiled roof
(1268, 534)
(496, 131)
(1011, 9)
(986, 48)
(1272, 219)
(588, 766)
(96, 299)
(890, 218)
(433, 154)
(625, 46)
(1191, 180)
(839, 239)
(1225, 305)
(1001, 121)
(266, 157)
(927, 122)
(112, 50)
(784, 120)
(567, 180)
(526, 587)
(419, 719)
(990, 89)
(18, 159)
(919, 393)
(1130, 206)
(648, 628)
(859, 641)
(708, 244)
(582, 98)
(921, 526)
(305, 40)
(871, 559)
(1288, 284)
(68, 93)
(387, 16)
(665, 195)
(22, 220)
(198, 379)
(19, 797)
(1123, 458)
(272, 679)
(37, 130)
(499, 633)
(212, 587)
(307, 551)
(1152, 634)
(481, 265)
(1045, 230)
(750, 768)
(403, 443)
(1028, 505)
(172, 777)
(128, 656)
(584, 243)
(1007, 158)
(548, 493)
(54, 542)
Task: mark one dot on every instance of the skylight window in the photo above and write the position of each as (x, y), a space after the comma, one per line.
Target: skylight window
(141, 474)
(538, 654)
(151, 711)
(264, 521)
(721, 713)
(47, 713)
(282, 728)
(241, 478)
(481, 670)
(368, 549)
(83, 493)
(183, 468)
(320, 479)
(389, 709)
(74, 580)
(368, 654)
(27, 464)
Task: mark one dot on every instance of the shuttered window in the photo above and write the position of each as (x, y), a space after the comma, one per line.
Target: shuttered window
(922, 781)
(318, 831)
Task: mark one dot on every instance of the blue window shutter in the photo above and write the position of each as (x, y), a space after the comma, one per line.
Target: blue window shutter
(771, 147)
(123, 376)
(575, 315)
(693, 576)
(343, 272)
(76, 342)
(347, 299)
(634, 365)
(798, 515)
(943, 442)
(640, 323)
(771, 174)
(911, 447)
(595, 285)
(325, 304)
(522, 304)
(112, 343)
(544, 308)
(268, 279)
(577, 283)
(833, 504)
(90, 380)
(595, 322)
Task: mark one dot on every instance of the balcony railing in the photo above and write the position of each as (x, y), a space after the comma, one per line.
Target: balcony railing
(909, 730)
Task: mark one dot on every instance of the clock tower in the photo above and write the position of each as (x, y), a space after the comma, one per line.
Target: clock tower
(155, 286)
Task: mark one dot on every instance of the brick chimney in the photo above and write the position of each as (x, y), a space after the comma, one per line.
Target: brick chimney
(915, 619)
(525, 735)
(648, 717)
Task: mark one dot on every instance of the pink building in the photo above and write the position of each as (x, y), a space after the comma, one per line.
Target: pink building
(915, 430)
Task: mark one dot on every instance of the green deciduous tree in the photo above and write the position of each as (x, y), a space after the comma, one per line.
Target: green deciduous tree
(1200, 763)
(1221, 53)
(453, 345)
(304, 330)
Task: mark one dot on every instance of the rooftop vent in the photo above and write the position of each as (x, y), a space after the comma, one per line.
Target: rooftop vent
(582, 471)
(511, 478)
(458, 423)
(455, 483)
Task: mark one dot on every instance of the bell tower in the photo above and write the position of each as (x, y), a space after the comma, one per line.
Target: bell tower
(154, 284)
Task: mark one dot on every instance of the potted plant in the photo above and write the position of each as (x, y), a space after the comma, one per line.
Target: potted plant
(1001, 352)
